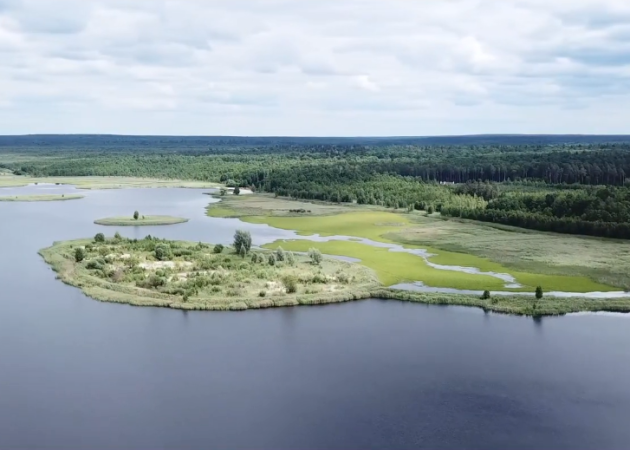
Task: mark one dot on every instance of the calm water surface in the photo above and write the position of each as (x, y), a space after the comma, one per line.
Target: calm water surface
(76, 373)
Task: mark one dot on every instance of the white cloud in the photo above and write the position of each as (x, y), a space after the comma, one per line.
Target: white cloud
(364, 82)
(326, 67)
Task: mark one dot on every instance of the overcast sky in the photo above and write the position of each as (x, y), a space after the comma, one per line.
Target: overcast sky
(314, 67)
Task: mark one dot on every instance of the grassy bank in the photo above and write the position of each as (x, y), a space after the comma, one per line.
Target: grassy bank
(40, 198)
(104, 182)
(141, 221)
(403, 228)
(192, 276)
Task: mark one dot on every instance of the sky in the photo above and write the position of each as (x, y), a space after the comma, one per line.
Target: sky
(315, 67)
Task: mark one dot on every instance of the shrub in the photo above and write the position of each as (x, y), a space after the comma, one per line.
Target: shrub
(272, 260)
(162, 253)
(95, 265)
(79, 254)
(136, 214)
(242, 239)
(343, 278)
(280, 254)
(315, 255)
(100, 237)
(290, 284)
(117, 236)
(262, 293)
(319, 278)
(237, 190)
(485, 295)
(290, 258)
(153, 281)
(430, 210)
(242, 252)
(539, 292)
(218, 248)
(254, 258)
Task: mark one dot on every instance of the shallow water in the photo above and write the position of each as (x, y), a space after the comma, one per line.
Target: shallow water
(77, 373)
(420, 287)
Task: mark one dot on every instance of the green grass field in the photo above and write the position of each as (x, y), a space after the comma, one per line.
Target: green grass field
(268, 205)
(141, 221)
(40, 198)
(395, 267)
(559, 263)
(607, 261)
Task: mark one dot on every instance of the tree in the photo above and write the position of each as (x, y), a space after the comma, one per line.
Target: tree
(100, 237)
(242, 252)
(79, 254)
(218, 248)
(280, 254)
(237, 190)
(136, 214)
(485, 295)
(539, 292)
(315, 255)
(242, 239)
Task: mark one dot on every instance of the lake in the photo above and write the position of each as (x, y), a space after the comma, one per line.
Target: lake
(77, 373)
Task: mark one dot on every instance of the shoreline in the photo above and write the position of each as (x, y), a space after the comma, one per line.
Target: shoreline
(107, 291)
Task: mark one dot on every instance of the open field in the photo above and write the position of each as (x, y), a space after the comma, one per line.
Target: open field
(606, 261)
(40, 198)
(395, 267)
(269, 205)
(554, 261)
(190, 275)
(104, 182)
(141, 221)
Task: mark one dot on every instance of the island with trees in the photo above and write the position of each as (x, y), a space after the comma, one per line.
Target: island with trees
(189, 275)
(137, 219)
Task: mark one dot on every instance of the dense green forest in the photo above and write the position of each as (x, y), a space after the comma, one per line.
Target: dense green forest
(568, 184)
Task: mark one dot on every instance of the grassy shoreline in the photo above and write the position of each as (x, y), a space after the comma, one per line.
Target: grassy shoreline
(141, 221)
(97, 182)
(59, 257)
(40, 198)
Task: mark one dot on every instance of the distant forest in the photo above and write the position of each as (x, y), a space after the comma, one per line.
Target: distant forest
(569, 184)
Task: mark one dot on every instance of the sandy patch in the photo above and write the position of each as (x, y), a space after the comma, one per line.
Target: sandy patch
(275, 286)
(164, 264)
(243, 191)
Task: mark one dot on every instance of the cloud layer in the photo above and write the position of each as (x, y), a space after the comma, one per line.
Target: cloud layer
(325, 67)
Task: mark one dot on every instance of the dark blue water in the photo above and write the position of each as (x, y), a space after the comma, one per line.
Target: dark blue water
(76, 373)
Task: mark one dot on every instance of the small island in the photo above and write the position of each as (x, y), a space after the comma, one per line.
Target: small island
(40, 198)
(189, 275)
(137, 220)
